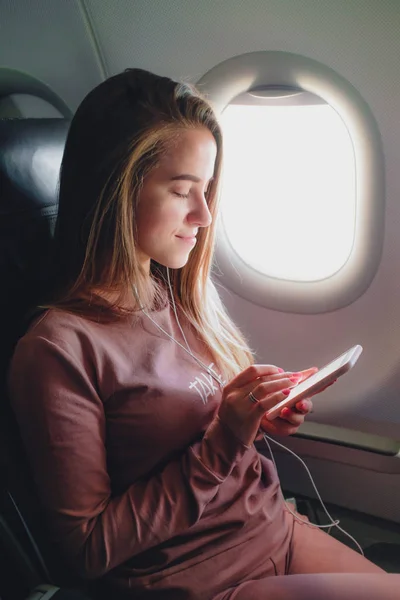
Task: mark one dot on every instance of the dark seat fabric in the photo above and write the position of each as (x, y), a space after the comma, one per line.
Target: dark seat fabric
(30, 157)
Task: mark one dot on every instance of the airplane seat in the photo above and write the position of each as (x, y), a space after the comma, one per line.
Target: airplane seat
(30, 157)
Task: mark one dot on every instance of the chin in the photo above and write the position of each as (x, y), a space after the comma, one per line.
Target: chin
(177, 264)
(174, 262)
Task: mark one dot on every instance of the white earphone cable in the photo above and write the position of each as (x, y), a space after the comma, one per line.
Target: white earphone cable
(176, 313)
(209, 370)
(332, 523)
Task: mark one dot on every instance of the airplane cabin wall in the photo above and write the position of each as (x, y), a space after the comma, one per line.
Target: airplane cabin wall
(73, 45)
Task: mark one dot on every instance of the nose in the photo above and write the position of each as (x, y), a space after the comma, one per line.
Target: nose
(199, 214)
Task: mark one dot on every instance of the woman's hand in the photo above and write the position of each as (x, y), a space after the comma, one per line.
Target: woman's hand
(268, 385)
(290, 419)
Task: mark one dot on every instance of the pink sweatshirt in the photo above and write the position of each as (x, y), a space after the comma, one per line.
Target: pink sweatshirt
(141, 482)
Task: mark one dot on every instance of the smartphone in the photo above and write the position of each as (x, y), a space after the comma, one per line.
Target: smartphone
(315, 383)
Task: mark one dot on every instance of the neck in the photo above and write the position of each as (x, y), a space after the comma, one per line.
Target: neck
(125, 300)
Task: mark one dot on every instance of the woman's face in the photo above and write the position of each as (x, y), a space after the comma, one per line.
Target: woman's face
(172, 205)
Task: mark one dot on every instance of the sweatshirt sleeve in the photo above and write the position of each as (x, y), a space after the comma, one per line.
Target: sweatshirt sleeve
(62, 424)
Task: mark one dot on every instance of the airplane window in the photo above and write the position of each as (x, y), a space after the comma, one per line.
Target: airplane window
(288, 193)
(301, 226)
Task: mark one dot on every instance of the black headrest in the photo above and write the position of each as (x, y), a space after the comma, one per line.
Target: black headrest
(30, 157)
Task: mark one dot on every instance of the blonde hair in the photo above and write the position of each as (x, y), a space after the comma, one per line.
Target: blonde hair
(116, 138)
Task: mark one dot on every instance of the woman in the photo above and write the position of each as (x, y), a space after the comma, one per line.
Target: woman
(142, 454)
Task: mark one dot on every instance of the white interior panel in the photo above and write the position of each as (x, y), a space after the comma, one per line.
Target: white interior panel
(49, 39)
(360, 41)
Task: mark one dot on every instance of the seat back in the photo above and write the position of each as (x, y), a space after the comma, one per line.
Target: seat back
(30, 157)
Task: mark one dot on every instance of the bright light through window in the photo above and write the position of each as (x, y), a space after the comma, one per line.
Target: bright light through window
(288, 193)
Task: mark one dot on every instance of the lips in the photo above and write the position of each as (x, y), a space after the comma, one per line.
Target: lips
(188, 239)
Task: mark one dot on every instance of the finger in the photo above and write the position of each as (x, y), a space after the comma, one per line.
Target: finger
(272, 398)
(300, 375)
(278, 427)
(250, 374)
(304, 407)
(306, 373)
(266, 389)
(262, 390)
(292, 417)
(283, 375)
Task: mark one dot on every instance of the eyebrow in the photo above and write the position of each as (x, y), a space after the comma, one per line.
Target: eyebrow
(188, 177)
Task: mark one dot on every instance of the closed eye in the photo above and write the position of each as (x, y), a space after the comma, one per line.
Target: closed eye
(187, 195)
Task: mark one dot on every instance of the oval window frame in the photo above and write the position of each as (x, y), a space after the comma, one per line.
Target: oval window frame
(242, 73)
